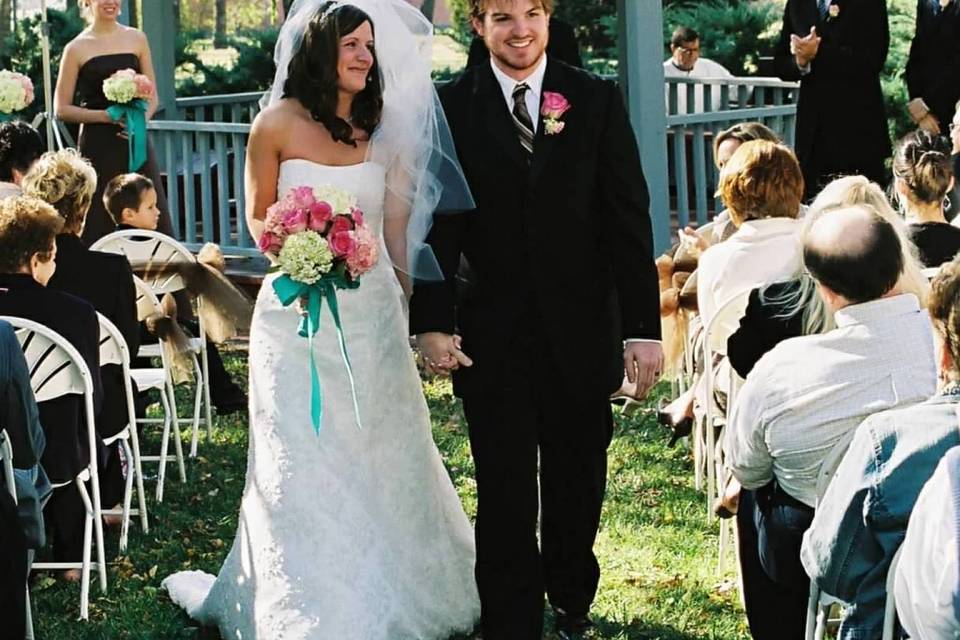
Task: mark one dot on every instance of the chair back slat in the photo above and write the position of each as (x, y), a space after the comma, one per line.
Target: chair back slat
(151, 254)
(147, 302)
(56, 368)
(113, 349)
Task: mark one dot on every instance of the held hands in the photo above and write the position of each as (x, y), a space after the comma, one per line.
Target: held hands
(922, 116)
(642, 362)
(441, 354)
(805, 49)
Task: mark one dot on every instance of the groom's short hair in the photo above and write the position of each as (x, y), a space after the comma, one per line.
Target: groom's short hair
(479, 7)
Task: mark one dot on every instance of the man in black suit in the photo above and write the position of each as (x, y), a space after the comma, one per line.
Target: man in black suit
(836, 49)
(562, 301)
(933, 69)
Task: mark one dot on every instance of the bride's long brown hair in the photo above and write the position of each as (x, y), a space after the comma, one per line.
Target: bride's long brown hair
(312, 74)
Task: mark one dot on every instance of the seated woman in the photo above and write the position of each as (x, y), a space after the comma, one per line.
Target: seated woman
(762, 187)
(28, 250)
(67, 181)
(923, 176)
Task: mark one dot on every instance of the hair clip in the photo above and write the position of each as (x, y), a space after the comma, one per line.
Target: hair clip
(329, 10)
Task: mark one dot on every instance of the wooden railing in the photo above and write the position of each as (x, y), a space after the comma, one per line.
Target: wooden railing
(698, 109)
(202, 153)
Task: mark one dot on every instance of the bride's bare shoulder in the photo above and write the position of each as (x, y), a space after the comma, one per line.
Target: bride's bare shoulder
(281, 115)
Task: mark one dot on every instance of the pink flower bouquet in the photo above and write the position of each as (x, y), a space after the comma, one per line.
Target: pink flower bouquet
(320, 243)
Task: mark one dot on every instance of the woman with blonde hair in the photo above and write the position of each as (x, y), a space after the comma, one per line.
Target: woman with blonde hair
(102, 49)
(67, 181)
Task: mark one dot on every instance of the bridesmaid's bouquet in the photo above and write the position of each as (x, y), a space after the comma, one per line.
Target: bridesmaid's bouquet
(129, 92)
(320, 243)
(16, 93)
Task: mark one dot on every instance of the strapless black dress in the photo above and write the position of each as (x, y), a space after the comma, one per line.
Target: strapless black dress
(106, 151)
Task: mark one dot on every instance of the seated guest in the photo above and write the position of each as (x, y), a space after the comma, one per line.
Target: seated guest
(809, 392)
(132, 202)
(21, 526)
(923, 175)
(762, 187)
(67, 181)
(862, 519)
(791, 308)
(20, 146)
(28, 250)
(927, 582)
(685, 61)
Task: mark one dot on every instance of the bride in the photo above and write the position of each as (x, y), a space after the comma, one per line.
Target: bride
(358, 532)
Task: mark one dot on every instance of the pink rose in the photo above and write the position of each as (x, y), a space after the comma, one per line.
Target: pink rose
(269, 243)
(342, 243)
(273, 222)
(144, 86)
(366, 254)
(357, 216)
(554, 105)
(320, 214)
(341, 223)
(28, 89)
(302, 197)
(295, 221)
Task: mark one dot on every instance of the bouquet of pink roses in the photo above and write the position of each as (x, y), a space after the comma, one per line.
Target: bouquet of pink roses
(320, 243)
(16, 93)
(129, 92)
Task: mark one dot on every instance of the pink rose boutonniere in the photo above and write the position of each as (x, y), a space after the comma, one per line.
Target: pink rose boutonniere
(833, 11)
(554, 106)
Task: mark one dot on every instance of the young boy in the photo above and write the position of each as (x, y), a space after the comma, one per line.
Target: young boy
(131, 201)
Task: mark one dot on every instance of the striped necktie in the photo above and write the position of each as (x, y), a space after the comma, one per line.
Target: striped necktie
(521, 117)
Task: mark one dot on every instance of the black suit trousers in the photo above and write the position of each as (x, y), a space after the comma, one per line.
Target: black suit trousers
(531, 418)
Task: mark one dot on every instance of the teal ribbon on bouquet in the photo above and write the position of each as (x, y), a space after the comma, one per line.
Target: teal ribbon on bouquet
(289, 291)
(135, 114)
(6, 117)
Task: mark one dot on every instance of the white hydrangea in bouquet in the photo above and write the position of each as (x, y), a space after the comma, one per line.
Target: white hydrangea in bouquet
(16, 93)
(320, 243)
(130, 92)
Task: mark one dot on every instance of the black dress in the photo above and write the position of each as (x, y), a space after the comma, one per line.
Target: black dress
(938, 242)
(105, 150)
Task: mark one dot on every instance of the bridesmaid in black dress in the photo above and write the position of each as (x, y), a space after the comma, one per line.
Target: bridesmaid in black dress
(104, 47)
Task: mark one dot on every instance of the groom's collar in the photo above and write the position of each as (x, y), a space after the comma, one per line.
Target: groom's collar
(534, 81)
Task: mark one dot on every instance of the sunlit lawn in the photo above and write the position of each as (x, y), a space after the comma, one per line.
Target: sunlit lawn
(658, 555)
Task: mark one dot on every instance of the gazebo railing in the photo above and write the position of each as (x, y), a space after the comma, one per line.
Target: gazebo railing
(697, 110)
(230, 107)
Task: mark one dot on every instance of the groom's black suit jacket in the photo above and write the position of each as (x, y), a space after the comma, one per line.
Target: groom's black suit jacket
(559, 249)
(841, 120)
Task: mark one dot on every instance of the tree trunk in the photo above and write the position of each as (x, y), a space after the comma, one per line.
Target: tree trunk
(220, 28)
(6, 10)
(428, 9)
(176, 15)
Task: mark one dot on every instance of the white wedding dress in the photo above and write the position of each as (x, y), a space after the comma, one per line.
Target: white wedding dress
(356, 533)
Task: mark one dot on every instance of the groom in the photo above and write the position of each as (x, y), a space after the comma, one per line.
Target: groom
(561, 299)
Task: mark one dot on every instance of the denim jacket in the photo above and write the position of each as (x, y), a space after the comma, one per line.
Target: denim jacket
(862, 519)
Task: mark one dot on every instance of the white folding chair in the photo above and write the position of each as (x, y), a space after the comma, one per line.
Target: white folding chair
(713, 420)
(819, 603)
(6, 456)
(160, 379)
(113, 350)
(57, 369)
(890, 607)
(156, 252)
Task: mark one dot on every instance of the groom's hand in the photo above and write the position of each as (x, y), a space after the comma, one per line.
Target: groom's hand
(642, 362)
(441, 353)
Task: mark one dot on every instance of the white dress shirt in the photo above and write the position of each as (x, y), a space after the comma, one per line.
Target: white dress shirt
(702, 68)
(807, 393)
(759, 253)
(926, 586)
(532, 97)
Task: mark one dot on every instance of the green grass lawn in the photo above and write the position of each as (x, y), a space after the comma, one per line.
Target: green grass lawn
(657, 554)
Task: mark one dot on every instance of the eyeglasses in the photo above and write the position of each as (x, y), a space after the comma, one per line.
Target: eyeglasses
(687, 51)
